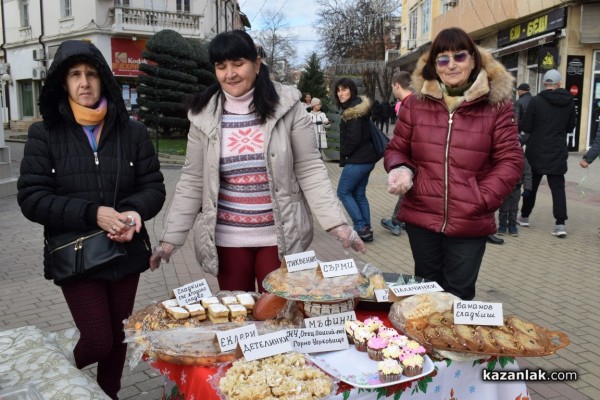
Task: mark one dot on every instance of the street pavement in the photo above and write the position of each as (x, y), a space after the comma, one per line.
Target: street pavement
(550, 281)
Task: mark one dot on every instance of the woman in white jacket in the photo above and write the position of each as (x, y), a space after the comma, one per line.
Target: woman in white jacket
(252, 174)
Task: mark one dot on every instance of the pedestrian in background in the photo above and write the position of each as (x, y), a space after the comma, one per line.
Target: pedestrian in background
(401, 90)
(320, 123)
(456, 142)
(73, 180)
(593, 151)
(253, 174)
(549, 117)
(357, 155)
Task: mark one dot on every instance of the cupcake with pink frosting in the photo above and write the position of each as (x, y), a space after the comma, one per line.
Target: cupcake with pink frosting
(399, 340)
(386, 333)
(373, 323)
(375, 346)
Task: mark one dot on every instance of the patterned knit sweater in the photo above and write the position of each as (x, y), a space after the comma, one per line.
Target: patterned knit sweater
(245, 210)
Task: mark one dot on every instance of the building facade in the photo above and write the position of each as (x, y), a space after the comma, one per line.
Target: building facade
(528, 37)
(33, 30)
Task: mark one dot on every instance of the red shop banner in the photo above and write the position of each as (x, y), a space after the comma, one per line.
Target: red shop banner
(127, 56)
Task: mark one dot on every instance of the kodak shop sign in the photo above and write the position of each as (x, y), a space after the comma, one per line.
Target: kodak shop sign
(127, 56)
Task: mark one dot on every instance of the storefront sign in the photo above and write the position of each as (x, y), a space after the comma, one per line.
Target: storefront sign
(574, 84)
(301, 261)
(547, 58)
(318, 340)
(548, 22)
(478, 313)
(192, 292)
(127, 56)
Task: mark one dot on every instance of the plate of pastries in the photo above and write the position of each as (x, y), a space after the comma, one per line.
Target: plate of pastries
(429, 319)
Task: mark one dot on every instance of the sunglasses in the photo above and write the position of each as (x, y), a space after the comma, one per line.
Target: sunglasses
(443, 61)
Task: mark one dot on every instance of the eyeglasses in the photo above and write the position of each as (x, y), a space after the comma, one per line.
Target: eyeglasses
(443, 61)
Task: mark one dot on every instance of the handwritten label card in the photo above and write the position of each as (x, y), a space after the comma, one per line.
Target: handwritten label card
(192, 292)
(382, 295)
(228, 340)
(265, 345)
(332, 269)
(317, 340)
(301, 261)
(414, 288)
(478, 313)
(326, 321)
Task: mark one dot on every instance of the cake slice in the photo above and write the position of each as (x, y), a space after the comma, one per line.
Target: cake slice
(178, 312)
(218, 313)
(238, 312)
(505, 342)
(466, 336)
(170, 303)
(227, 300)
(205, 301)
(196, 310)
(246, 300)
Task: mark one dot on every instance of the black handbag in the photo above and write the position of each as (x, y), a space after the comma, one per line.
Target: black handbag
(74, 254)
(380, 140)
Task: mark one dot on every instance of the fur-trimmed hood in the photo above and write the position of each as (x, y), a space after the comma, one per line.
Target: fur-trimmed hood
(357, 109)
(493, 81)
(53, 98)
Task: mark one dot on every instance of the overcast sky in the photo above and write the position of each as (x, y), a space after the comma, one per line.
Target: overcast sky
(300, 16)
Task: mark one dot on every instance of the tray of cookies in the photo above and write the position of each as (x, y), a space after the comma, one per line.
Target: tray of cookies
(432, 324)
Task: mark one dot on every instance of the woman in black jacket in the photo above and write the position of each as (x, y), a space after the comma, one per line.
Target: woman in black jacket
(357, 155)
(87, 167)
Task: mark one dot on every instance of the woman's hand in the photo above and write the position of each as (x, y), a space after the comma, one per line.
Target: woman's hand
(583, 163)
(132, 222)
(163, 251)
(349, 238)
(400, 180)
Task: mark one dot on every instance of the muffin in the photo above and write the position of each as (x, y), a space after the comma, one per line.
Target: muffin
(350, 326)
(399, 340)
(389, 370)
(414, 347)
(375, 346)
(413, 365)
(373, 323)
(386, 333)
(361, 336)
(392, 351)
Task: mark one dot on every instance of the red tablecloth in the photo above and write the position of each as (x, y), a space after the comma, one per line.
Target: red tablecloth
(192, 383)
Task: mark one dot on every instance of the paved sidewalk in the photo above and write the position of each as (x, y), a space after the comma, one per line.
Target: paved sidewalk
(551, 281)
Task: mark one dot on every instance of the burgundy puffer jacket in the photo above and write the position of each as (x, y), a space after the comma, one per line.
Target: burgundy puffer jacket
(464, 152)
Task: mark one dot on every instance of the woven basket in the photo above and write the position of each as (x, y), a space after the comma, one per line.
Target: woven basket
(316, 309)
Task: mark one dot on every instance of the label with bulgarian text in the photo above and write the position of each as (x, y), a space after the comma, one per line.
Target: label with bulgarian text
(318, 340)
(192, 292)
(301, 261)
(325, 321)
(332, 269)
(478, 313)
(265, 345)
(228, 340)
(414, 288)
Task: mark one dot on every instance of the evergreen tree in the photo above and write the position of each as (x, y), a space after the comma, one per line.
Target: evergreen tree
(313, 81)
(171, 73)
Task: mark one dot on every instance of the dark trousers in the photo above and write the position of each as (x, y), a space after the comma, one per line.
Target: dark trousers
(559, 197)
(507, 215)
(99, 308)
(395, 219)
(242, 268)
(452, 262)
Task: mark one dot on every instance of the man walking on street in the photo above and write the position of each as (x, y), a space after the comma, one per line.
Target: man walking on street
(401, 91)
(549, 117)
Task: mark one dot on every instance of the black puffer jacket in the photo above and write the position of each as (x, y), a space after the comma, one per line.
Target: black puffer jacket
(549, 117)
(62, 184)
(356, 144)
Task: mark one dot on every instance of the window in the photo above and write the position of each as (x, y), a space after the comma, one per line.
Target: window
(412, 28)
(425, 16)
(66, 8)
(24, 12)
(183, 6)
(26, 95)
(122, 3)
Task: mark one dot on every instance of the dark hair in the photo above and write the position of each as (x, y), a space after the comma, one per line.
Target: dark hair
(452, 39)
(345, 83)
(402, 78)
(234, 45)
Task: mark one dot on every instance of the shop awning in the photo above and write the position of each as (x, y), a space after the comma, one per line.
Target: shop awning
(524, 45)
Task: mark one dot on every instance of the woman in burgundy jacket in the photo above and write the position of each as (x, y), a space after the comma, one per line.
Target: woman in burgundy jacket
(456, 155)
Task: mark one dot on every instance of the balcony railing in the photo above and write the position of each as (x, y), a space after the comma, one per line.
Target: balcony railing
(145, 20)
